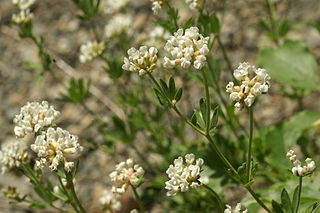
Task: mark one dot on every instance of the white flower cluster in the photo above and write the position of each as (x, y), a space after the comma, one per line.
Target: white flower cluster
(186, 49)
(119, 24)
(184, 175)
(156, 6)
(298, 170)
(12, 154)
(110, 200)
(23, 4)
(127, 173)
(141, 61)
(53, 146)
(33, 116)
(24, 15)
(90, 50)
(250, 88)
(114, 6)
(237, 209)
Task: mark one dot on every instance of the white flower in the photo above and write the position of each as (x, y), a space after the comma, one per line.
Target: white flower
(119, 24)
(12, 154)
(184, 174)
(156, 6)
(141, 61)
(90, 50)
(195, 4)
(134, 211)
(186, 49)
(110, 200)
(33, 116)
(237, 209)
(250, 88)
(298, 169)
(23, 16)
(126, 173)
(23, 4)
(54, 146)
(114, 6)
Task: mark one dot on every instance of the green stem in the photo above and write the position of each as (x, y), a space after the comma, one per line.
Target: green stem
(206, 87)
(225, 56)
(299, 196)
(216, 197)
(255, 196)
(67, 194)
(248, 165)
(138, 199)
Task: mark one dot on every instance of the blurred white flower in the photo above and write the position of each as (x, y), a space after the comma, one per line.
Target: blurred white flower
(298, 169)
(250, 88)
(134, 211)
(54, 146)
(141, 61)
(119, 24)
(194, 4)
(23, 16)
(156, 6)
(12, 155)
(156, 37)
(186, 49)
(23, 4)
(90, 50)
(114, 6)
(184, 174)
(237, 209)
(110, 200)
(33, 116)
(126, 173)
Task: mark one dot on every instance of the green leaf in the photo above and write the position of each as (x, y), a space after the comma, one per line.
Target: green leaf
(286, 202)
(277, 207)
(317, 209)
(178, 95)
(314, 206)
(295, 197)
(37, 206)
(43, 193)
(291, 64)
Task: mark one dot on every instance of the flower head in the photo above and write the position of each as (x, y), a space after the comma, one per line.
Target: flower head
(22, 17)
(54, 146)
(184, 174)
(90, 50)
(13, 154)
(142, 61)
(119, 24)
(156, 6)
(186, 48)
(23, 4)
(126, 173)
(237, 209)
(110, 200)
(33, 116)
(298, 169)
(250, 88)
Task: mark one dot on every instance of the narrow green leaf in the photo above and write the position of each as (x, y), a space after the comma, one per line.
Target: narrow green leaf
(295, 197)
(286, 202)
(276, 207)
(178, 94)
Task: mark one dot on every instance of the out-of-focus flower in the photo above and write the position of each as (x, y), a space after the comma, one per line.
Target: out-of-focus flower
(298, 169)
(186, 49)
(90, 50)
(157, 37)
(33, 116)
(119, 24)
(23, 4)
(134, 211)
(250, 88)
(54, 146)
(110, 200)
(12, 155)
(195, 4)
(156, 6)
(184, 174)
(141, 61)
(114, 6)
(237, 209)
(126, 173)
(22, 17)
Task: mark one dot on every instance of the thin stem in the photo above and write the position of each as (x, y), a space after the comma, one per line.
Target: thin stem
(73, 192)
(255, 196)
(68, 195)
(138, 199)
(216, 197)
(272, 21)
(206, 87)
(225, 56)
(248, 165)
(299, 197)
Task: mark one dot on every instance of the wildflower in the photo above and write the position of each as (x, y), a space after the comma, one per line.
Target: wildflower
(142, 61)
(127, 173)
(250, 88)
(195, 4)
(23, 4)
(156, 6)
(237, 209)
(118, 25)
(13, 154)
(110, 200)
(183, 174)
(33, 116)
(90, 50)
(113, 6)
(298, 170)
(22, 17)
(187, 48)
(53, 146)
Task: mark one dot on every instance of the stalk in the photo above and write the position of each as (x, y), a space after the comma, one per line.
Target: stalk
(248, 165)
(299, 197)
(138, 199)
